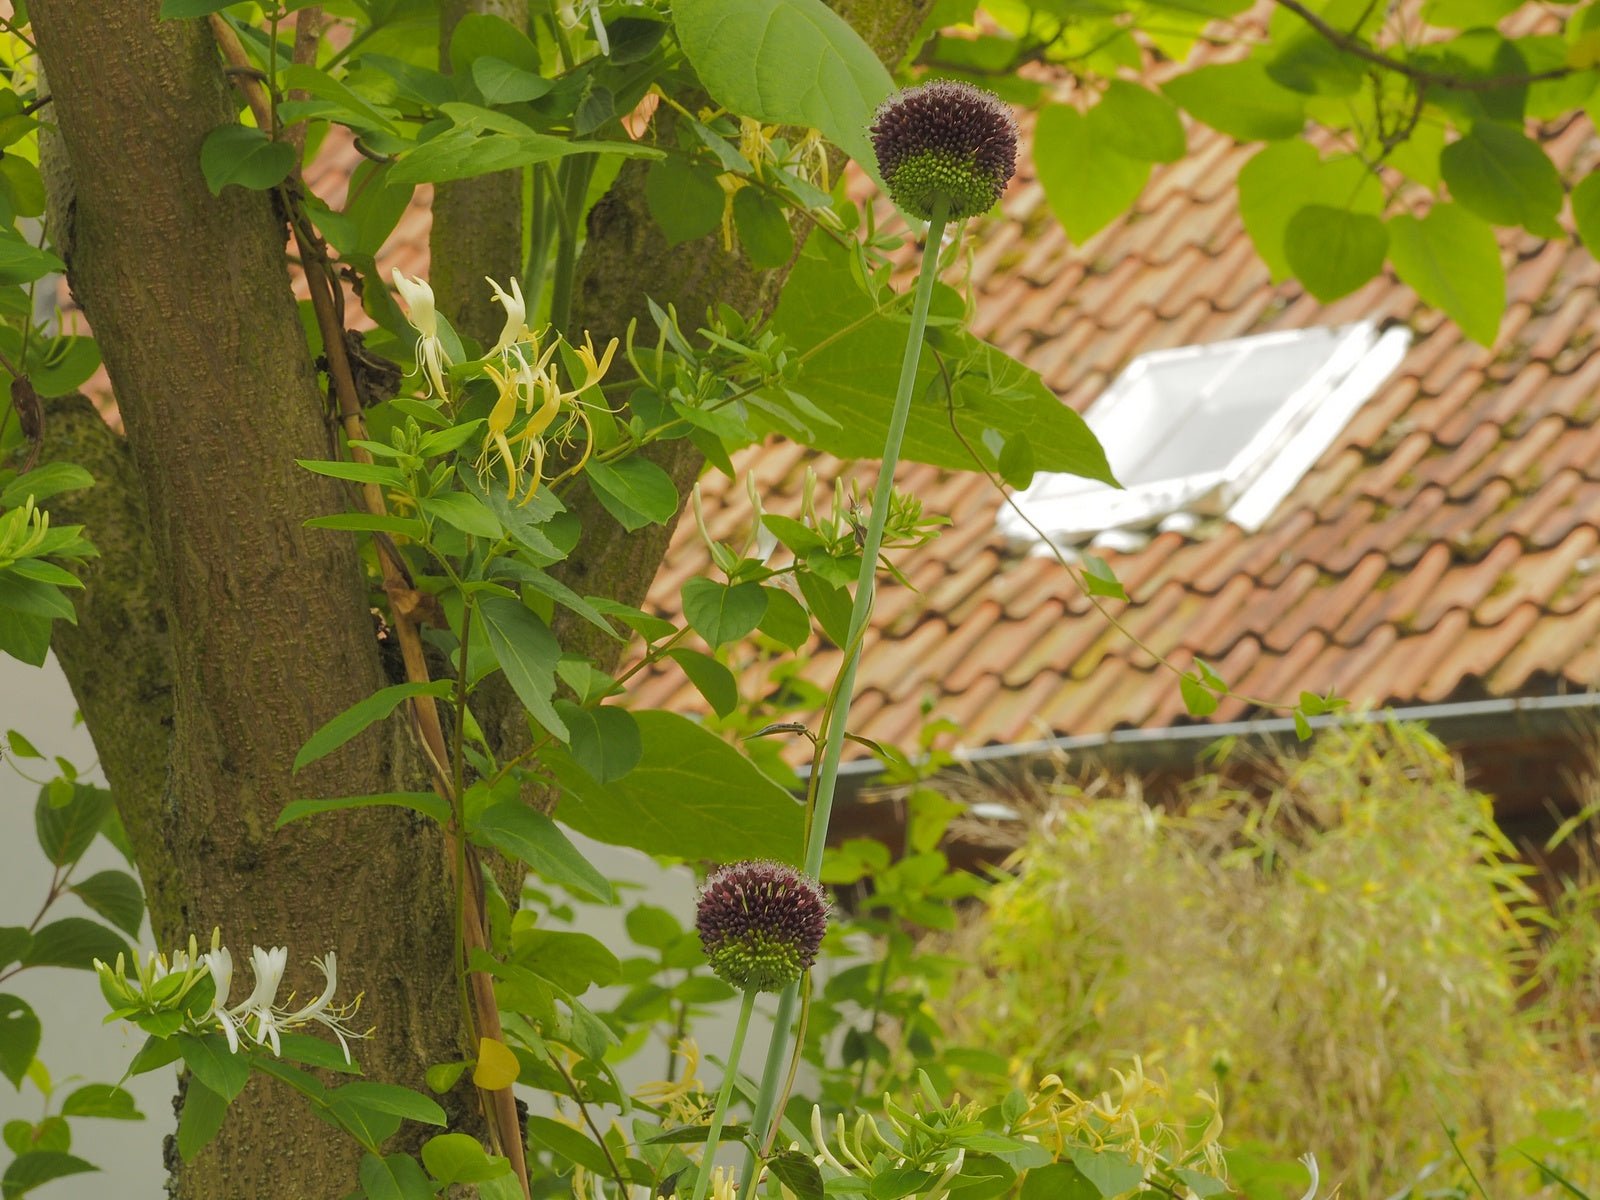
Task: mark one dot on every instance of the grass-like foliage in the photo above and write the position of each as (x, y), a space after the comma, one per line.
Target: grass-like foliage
(1354, 953)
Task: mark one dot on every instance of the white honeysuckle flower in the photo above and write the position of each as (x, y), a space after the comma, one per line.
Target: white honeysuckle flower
(323, 1010)
(163, 985)
(1310, 1162)
(516, 327)
(258, 1006)
(423, 315)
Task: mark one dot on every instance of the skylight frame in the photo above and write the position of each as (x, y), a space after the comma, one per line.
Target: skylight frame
(1251, 484)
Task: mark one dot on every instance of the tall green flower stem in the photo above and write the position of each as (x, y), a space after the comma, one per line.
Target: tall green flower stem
(730, 1071)
(860, 612)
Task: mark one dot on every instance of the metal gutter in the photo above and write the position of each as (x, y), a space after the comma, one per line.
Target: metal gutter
(1179, 745)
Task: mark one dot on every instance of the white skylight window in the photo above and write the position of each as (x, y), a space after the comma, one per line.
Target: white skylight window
(1224, 430)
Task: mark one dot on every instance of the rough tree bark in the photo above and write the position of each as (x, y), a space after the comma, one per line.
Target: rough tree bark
(249, 630)
(477, 223)
(267, 622)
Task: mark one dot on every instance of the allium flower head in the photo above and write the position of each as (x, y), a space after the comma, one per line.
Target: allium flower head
(945, 140)
(761, 924)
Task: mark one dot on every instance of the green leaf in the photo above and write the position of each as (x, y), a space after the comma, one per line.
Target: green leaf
(635, 491)
(1202, 1185)
(457, 1158)
(349, 106)
(393, 1177)
(829, 604)
(1505, 177)
(532, 838)
(684, 198)
(605, 739)
(1111, 1171)
(66, 831)
(1100, 579)
(710, 678)
(465, 152)
(214, 1065)
(1451, 259)
(1058, 1181)
(528, 653)
(114, 895)
(1302, 727)
(854, 365)
(154, 1054)
(1284, 178)
(389, 1098)
(240, 155)
(785, 620)
(360, 715)
(691, 796)
(763, 228)
(1239, 99)
(652, 927)
(14, 943)
(356, 522)
(41, 483)
(721, 613)
(797, 1173)
(1015, 461)
(1197, 698)
(571, 961)
(480, 35)
(19, 1038)
(355, 472)
(786, 62)
(1333, 251)
(101, 1100)
(22, 263)
(501, 82)
(28, 1171)
(74, 942)
(1088, 181)
(1586, 212)
(201, 1118)
(429, 804)
(569, 1144)
(466, 513)
(1134, 121)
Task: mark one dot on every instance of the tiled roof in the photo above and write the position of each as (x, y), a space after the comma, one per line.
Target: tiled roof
(1445, 546)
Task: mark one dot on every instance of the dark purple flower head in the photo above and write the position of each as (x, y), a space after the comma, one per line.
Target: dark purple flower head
(945, 140)
(761, 924)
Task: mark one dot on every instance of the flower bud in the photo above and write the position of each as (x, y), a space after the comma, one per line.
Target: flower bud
(761, 924)
(945, 140)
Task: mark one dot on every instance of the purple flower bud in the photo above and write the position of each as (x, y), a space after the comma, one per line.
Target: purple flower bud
(945, 140)
(761, 924)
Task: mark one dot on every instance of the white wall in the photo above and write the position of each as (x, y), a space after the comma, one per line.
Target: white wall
(37, 703)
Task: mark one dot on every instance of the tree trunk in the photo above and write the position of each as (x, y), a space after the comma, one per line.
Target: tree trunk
(253, 629)
(477, 223)
(267, 622)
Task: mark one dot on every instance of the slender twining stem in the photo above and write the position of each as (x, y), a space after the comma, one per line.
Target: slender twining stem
(860, 612)
(730, 1071)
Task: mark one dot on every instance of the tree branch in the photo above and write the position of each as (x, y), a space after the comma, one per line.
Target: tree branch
(1421, 76)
